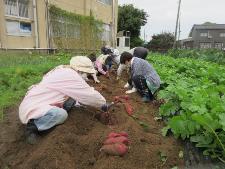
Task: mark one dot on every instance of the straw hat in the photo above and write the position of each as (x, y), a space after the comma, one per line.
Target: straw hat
(82, 64)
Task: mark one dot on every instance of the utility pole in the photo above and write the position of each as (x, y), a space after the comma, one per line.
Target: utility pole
(178, 14)
(144, 35)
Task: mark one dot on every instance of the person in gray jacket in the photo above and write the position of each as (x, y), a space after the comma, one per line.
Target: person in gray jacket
(139, 52)
(144, 78)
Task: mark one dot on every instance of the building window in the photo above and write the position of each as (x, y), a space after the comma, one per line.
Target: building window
(203, 34)
(218, 45)
(17, 28)
(106, 34)
(222, 34)
(107, 2)
(118, 42)
(18, 8)
(127, 42)
(62, 28)
(205, 45)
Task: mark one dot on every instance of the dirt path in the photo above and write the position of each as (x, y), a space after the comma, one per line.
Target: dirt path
(76, 143)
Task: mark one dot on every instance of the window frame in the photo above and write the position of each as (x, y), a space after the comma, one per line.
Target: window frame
(30, 17)
(203, 34)
(216, 45)
(101, 1)
(222, 35)
(204, 44)
(19, 33)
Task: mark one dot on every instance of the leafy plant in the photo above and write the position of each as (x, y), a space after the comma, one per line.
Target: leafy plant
(195, 101)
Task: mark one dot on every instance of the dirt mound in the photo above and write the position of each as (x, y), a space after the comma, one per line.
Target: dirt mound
(76, 143)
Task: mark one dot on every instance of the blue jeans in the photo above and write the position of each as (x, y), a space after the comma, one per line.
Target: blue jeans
(53, 117)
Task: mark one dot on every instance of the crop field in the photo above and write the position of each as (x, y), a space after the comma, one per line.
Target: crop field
(190, 107)
(195, 101)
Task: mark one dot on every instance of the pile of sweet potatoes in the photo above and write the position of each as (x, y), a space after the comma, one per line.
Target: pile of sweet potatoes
(116, 144)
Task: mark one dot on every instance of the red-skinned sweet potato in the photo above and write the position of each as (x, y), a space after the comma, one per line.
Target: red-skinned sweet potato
(113, 134)
(117, 149)
(113, 140)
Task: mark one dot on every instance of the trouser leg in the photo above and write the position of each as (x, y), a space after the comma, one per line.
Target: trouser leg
(141, 86)
(53, 117)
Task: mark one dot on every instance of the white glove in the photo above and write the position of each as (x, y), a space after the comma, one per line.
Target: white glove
(77, 104)
(95, 78)
(97, 81)
(126, 85)
(131, 91)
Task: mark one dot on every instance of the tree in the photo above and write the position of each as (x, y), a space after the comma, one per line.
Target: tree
(161, 42)
(131, 19)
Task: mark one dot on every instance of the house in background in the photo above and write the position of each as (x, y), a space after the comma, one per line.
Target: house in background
(26, 24)
(204, 36)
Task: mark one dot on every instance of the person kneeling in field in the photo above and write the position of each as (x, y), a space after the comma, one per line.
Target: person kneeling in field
(144, 78)
(46, 103)
(103, 64)
(139, 52)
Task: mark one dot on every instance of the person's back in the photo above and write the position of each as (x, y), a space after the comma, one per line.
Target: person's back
(144, 68)
(55, 87)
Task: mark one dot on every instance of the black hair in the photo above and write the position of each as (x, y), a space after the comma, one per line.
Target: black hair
(125, 56)
(92, 57)
(104, 50)
(109, 51)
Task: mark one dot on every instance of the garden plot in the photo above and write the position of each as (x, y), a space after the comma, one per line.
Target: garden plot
(77, 142)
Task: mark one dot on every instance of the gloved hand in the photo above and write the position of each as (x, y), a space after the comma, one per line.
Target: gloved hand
(105, 107)
(97, 81)
(131, 91)
(126, 85)
(95, 78)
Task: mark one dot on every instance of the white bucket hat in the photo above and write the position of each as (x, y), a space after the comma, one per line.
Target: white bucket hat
(82, 64)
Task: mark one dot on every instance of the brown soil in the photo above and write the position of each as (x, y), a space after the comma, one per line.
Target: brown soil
(76, 143)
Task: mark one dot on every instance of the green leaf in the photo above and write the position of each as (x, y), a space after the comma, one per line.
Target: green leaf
(168, 108)
(175, 167)
(181, 154)
(203, 140)
(222, 120)
(163, 156)
(206, 121)
(178, 127)
(164, 130)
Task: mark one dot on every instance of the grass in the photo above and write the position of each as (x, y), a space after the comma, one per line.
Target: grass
(18, 71)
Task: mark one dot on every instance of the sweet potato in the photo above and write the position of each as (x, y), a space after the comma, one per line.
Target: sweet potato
(114, 140)
(116, 149)
(129, 108)
(113, 134)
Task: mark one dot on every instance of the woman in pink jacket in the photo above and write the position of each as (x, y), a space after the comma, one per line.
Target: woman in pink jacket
(44, 106)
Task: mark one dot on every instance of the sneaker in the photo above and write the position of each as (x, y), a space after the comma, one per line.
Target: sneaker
(31, 132)
(31, 138)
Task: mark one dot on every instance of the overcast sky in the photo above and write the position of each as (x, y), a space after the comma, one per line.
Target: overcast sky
(162, 14)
